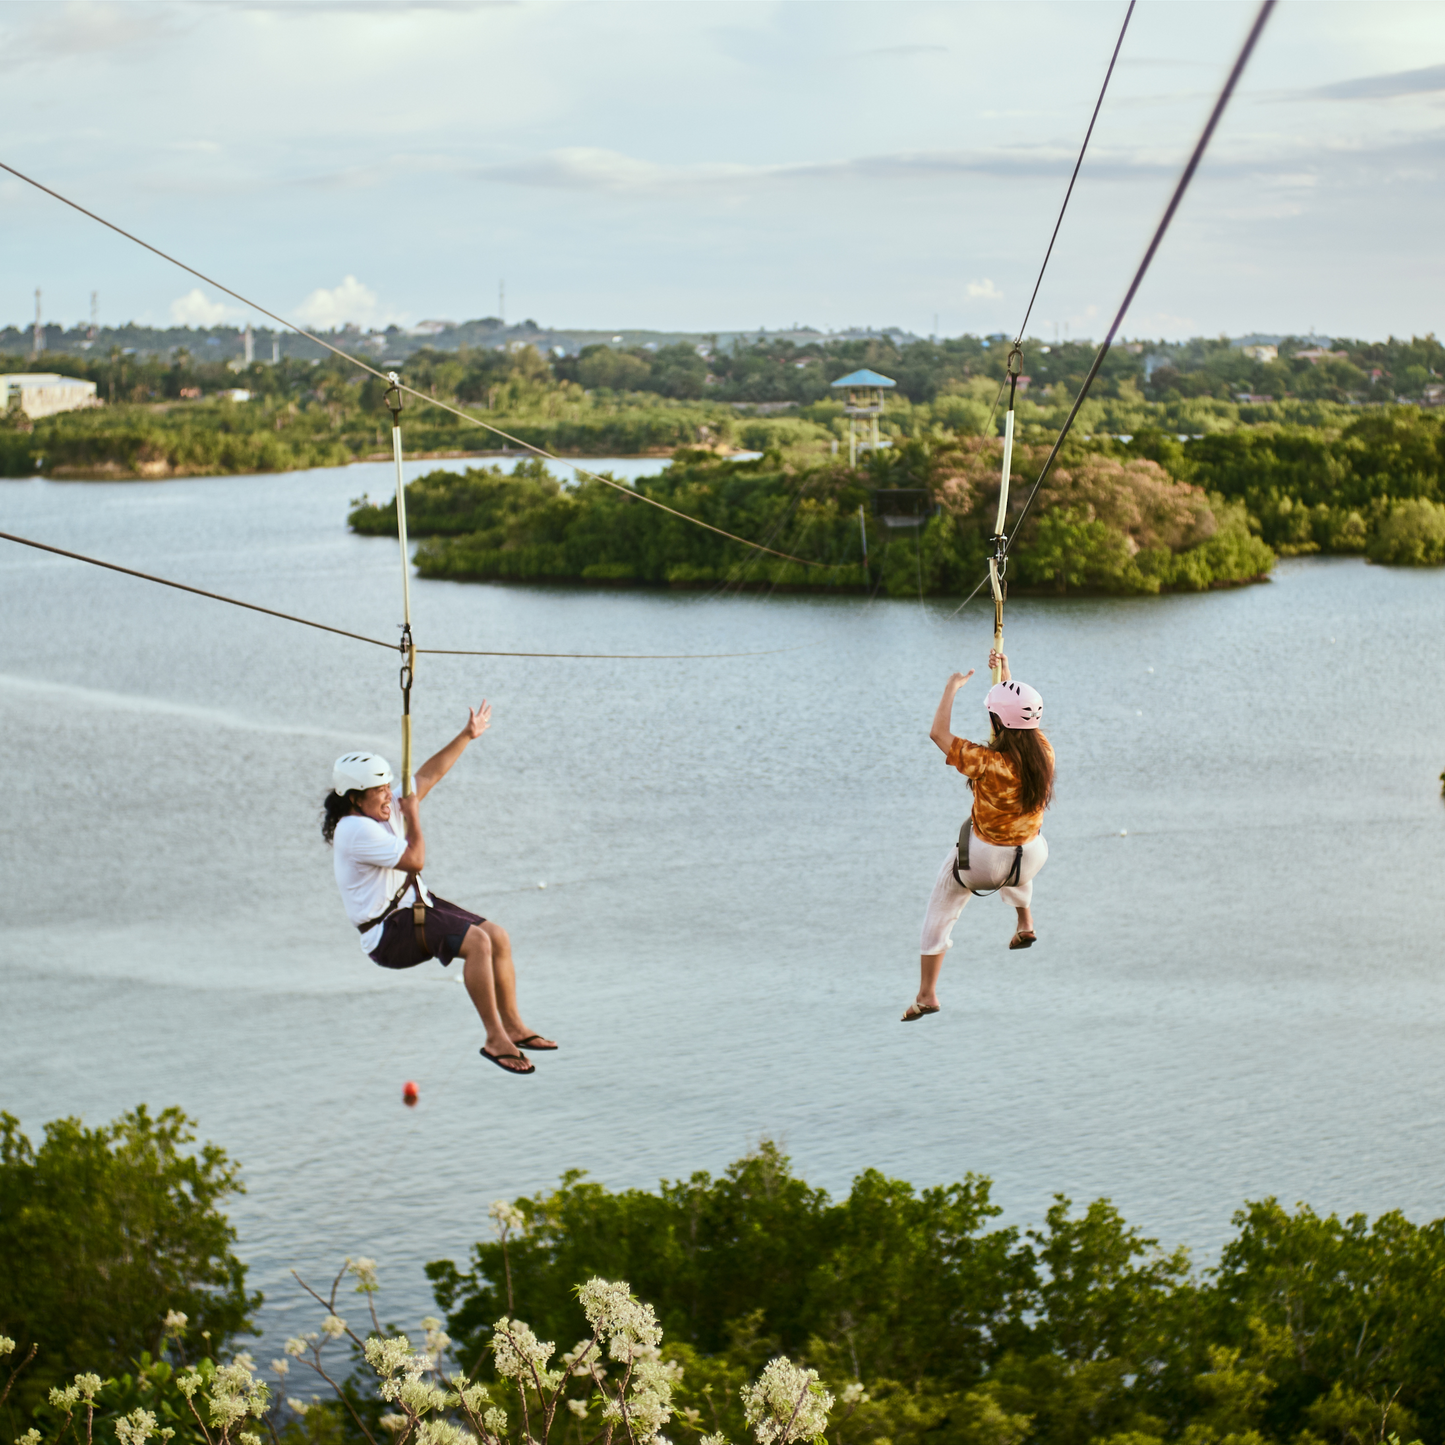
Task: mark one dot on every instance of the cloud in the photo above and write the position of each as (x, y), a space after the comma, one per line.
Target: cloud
(590, 168)
(984, 290)
(348, 302)
(1380, 87)
(194, 309)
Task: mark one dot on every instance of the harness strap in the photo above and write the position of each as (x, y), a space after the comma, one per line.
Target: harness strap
(411, 881)
(960, 864)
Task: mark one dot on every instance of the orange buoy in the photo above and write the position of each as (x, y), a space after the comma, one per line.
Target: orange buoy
(410, 1093)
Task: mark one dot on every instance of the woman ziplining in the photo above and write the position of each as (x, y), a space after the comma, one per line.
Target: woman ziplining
(377, 839)
(1000, 848)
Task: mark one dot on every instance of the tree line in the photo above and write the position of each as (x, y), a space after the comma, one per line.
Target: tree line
(916, 1308)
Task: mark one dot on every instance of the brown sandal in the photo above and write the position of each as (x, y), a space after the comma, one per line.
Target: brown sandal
(1023, 940)
(916, 1011)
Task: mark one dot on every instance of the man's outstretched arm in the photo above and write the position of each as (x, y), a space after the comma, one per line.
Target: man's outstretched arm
(439, 764)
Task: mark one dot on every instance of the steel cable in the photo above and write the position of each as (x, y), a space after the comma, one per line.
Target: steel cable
(1088, 134)
(410, 390)
(375, 641)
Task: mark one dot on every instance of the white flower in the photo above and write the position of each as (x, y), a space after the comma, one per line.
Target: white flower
(630, 1325)
(786, 1404)
(176, 1322)
(855, 1394)
(300, 1406)
(388, 1357)
(187, 1384)
(89, 1385)
(577, 1407)
(437, 1339)
(295, 1347)
(495, 1421)
(506, 1217)
(235, 1393)
(247, 1438)
(365, 1272)
(393, 1422)
(333, 1327)
(246, 1360)
(714, 1440)
(470, 1395)
(30, 1437)
(281, 1367)
(443, 1432)
(517, 1350)
(135, 1428)
(66, 1399)
(6, 1345)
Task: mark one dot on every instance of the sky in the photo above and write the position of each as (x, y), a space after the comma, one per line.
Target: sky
(704, 166)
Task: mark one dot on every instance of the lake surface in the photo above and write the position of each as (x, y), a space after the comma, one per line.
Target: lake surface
(1237, 989)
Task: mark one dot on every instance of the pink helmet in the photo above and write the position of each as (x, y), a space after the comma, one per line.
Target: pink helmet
(1015, 704)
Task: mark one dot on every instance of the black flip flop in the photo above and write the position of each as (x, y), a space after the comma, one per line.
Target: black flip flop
(916, 1011)
(497, 1060)
(531, 1042)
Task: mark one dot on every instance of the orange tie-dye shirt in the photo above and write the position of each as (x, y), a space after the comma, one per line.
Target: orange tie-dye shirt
(997, 817)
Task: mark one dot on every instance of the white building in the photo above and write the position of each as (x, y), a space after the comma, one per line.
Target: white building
(43, 393)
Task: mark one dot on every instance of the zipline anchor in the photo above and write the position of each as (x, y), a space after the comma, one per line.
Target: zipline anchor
(408, 647)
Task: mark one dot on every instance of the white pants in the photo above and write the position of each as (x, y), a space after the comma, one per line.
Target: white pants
(988, 866)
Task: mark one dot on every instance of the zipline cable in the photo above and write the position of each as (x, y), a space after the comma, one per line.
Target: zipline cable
(376, 641)
(1255, 31)
(1246, 50)
(382, 376)
(1088, 134)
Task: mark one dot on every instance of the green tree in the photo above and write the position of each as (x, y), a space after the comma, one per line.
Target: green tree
(105, 1230)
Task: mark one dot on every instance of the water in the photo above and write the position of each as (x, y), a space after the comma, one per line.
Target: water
(1237, 990)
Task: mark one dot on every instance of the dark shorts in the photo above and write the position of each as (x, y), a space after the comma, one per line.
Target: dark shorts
(446, 926)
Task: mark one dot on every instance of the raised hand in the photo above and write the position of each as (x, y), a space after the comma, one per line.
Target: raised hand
(480, 719)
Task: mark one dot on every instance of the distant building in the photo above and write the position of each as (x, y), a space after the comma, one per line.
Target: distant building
(1261, 352)
(1433, 395)
(863, 402)
(235, 393)
(43, 393)
(190, 393)
(1316, 354)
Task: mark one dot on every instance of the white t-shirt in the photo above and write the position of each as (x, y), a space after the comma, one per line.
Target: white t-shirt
(365, 858)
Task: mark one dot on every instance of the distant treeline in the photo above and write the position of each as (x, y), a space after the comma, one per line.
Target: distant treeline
(1312, 469)
(1102, 523)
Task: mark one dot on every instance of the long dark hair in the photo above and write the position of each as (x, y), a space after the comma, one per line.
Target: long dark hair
(334, 808)
(1024, 748)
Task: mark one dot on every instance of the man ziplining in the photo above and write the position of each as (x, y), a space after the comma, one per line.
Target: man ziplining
(378, 840)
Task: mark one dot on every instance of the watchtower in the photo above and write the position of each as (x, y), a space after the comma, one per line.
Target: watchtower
(863, 405)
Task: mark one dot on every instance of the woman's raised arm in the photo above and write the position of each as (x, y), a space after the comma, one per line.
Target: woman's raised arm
(942, 730)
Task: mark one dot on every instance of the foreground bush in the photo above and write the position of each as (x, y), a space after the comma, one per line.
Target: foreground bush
(102, 1231)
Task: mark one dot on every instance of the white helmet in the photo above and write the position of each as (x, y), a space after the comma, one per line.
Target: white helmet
(357, 772)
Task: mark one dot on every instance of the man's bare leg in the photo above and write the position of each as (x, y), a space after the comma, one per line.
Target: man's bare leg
(478, 966)
(504, 976)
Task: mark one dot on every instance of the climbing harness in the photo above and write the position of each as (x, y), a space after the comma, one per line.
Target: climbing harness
(418, 911)
(998, 561)
(960, 864)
